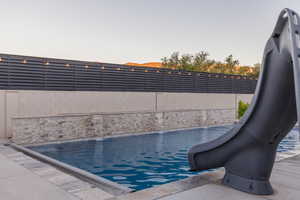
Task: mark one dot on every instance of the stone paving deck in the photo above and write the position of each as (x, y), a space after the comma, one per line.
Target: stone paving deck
(285, 180)
(18, 183)
(207, 186)
(24, 178)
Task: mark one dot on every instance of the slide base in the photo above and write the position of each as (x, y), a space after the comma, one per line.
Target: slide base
(248, 185)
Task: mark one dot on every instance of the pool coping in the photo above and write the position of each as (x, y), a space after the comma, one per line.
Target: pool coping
(104, 184)
(168, 189)
(116, 113)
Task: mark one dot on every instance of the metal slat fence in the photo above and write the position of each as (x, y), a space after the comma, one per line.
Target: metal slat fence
(34, 73)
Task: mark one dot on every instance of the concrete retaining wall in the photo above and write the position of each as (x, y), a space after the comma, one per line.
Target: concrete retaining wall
(23, 106)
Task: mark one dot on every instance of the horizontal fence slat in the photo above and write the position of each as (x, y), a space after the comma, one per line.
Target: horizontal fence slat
(34, 73)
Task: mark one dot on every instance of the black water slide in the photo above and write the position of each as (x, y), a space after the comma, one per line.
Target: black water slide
(248, 150)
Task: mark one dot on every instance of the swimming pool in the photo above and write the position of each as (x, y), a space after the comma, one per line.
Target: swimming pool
(142, 161)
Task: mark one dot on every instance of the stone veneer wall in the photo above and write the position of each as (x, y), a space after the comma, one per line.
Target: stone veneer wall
(68, 127)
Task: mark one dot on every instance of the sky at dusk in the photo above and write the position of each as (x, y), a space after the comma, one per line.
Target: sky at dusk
(120, 31)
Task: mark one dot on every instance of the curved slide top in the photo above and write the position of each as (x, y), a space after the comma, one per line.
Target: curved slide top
(248, 150)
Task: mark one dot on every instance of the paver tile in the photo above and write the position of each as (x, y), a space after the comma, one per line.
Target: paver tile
(93, 194)
(10, 169)
(286, 179)
(31, 187)
(212, 192)
(283, 193)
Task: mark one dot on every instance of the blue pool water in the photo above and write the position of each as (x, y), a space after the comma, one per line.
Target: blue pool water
(142, 161)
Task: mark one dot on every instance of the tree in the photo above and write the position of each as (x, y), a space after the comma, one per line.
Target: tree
(186, 62)
(174, 60)
(201, 62)
(231, 63)
(164, 61)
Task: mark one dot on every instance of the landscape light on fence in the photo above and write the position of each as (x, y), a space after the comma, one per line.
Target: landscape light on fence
(103, 69)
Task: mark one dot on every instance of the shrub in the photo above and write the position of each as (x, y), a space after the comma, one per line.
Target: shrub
(242, 108)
